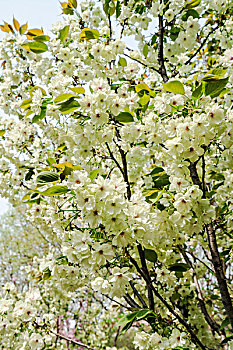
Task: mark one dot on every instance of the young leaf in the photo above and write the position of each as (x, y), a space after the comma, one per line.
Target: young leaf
(192, 3)
(144, 100)
(23, 29)
(174, 86)
(55, 191)
(122, 62)
(63, 33)
(35, 32)
(73, 3)
(142, 86)
(16, 24)
(145, 50)
(94, 173)
(63, 97)
(36, 47)
(78, 90)
(87, 33)
(41, 38)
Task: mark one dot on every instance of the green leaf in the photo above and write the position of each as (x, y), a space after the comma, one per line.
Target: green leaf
(192, 3)
(23, 28)
(174, 86)
(197, 92)
(145, 50)
(36, 47)
(189, 13)
(68, 11)
(214, 88)
(224, 323)
(214, 74)
(162, 181)
(41, 38)
(2, 132)
(127, 319)
(118, 8)
(124, 117)
(157, 171)
(143, 314)
(122, 62)
(40, 116)
(112, 8)
(180, 267)
(55, 191)
(150, 255)
(69, 106)
(29, 174)
(78, 90)
(47, 177)
(144, 100)
(63, 33)
(151, 193)
(63, 97)
(94, 173)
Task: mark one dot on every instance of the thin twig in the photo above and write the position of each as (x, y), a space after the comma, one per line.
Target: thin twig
(142, 63)
(72, 341)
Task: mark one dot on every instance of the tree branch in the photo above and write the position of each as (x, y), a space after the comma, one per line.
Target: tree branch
(194, 338)
(213, 325)
(72, 341)
(201, 46)
(162, 68)
(218, 268)
(216, 260)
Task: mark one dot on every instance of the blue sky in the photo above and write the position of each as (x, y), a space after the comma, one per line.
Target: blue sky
(38, 13)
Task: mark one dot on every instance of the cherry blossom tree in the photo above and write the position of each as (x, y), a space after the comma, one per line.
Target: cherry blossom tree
(117, 147)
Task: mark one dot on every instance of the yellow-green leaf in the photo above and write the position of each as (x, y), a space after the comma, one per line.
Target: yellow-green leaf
(26, 103)
(142, 86)
(55, 191)
(78, 90)
(63, 165)
(41, 38)
(23, 28)
(63, 97)
(174, 86)
(36, 88)
(192, 3)
(36, 47)
(144, 100)
(63, 33)
(87, 33)
(2, 132)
